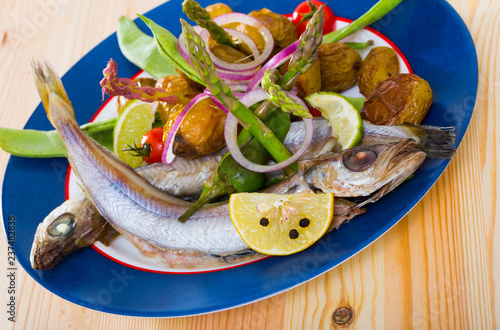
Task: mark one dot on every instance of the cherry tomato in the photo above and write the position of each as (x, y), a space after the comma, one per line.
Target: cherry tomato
(314, 112)
(154, 151)
(305, 9)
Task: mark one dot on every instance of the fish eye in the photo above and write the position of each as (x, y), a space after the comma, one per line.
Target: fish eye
(359, 160)
(62, 226)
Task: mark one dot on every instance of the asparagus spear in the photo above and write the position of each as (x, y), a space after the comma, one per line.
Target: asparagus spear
(279, 98)
(201, 16)
(206, 70)
(302, 59)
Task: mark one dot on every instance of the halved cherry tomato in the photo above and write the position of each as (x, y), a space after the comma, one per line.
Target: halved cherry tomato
(304, 9)
(152, 145)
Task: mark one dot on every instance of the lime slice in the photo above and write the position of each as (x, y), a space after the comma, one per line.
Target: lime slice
(136, 120)
(277, 224)
(346, 121)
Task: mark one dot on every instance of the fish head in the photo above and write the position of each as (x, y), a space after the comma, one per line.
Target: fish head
(66, 228)
(362, 170)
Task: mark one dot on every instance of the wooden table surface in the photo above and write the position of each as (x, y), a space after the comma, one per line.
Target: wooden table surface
(439, 267)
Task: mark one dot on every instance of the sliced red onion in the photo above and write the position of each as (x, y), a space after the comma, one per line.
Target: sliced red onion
(234, 76)
(262, 29)
(168, 155)
(218, 103)
(253, 97)
(274, 62)
(230, 135)
(246, 39)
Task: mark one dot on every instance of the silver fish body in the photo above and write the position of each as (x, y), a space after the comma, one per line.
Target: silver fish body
(183, 178)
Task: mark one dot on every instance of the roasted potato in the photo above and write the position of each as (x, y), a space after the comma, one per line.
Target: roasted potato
(174, 84)
(283, 31)
(310, 82)
(381, 63)
(190, 81)
(403, 98)
(227, 53)
(201, 131)
(339, 65)
(218, 9)
(252, 33)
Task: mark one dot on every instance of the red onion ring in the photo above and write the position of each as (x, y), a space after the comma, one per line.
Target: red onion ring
(262, 29)
(230, 135)
(274, 62)
(168, 156)
(246, 39)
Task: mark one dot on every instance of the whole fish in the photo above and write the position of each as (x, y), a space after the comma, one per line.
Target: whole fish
(436, 142)
(132, 205)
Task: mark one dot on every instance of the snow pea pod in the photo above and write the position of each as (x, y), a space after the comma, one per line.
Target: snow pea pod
(46, 144)
(140, 49)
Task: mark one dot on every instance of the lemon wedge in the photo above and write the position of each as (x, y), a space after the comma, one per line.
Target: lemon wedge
(345, 120)
(277, 224)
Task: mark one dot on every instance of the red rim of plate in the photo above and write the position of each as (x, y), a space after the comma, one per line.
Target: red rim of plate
(68, 173)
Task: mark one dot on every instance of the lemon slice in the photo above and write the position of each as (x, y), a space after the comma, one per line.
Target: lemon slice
(345, 120)
(136, 120)
(281, 224)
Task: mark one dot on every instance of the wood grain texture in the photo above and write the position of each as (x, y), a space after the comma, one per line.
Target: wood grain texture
(437, 268)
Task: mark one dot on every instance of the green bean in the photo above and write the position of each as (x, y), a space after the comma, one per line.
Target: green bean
(359, 45)
(379, 10)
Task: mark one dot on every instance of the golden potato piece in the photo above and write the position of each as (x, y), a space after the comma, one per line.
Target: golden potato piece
(253, 33)
(201, 131)
(403, 98)
(190, 81)
(174, 84)
(283, 31)
(381, 63)
(218, 9)
(227, 53)
(310, 82)
(339, 65)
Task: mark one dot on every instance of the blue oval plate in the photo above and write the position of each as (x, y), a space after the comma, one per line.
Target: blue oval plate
(439, 48)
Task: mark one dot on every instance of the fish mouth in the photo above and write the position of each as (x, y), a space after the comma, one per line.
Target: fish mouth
(404, 149)
(407, 158)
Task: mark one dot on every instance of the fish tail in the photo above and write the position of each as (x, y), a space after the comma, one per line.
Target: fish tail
(55, 100)
(436, 142)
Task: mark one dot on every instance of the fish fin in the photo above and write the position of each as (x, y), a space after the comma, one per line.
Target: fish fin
(343, 212)
(51, 90)
(436, 142)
